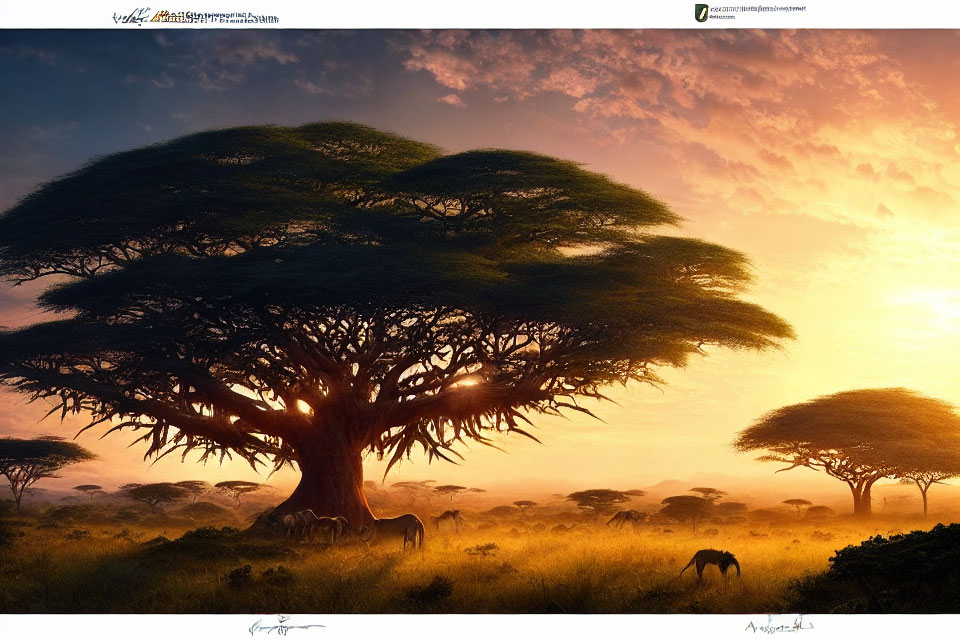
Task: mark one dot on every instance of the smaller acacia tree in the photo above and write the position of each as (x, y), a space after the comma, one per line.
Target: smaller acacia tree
(449, 490)
(238, 488)
(709, 494)
(597, 501)
(415, 489)
(156, 494)
(195, 488)
(89, 489)
(23, 462)
(924, 480)
(635, 493)
(798, 503)
(523, 505)
(685, 508)
(860, 437)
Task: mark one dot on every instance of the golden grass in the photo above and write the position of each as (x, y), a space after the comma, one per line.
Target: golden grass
(593, 569)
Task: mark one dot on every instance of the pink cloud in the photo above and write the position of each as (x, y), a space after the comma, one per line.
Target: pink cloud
(453, 100)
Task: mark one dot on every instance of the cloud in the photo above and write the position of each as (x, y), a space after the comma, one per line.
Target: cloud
(52, 132)
(163, 82)
(756, 121)
(883, 212)
(453, 100)
(221, 59)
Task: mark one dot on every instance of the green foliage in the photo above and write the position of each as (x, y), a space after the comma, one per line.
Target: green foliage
(319, 265)
(918, 572)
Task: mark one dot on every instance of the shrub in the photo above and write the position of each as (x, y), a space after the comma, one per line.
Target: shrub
(279, 577)
(917, 572)
(240, 577)
(438, 589)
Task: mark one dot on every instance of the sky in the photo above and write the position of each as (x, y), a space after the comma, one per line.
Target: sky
(828, 157)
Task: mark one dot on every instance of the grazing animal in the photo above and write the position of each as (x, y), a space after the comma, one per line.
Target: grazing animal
(723, 560)
(345, 527)
(289, 525)
(448, 516)
(408, 526)
(331, 528)
(632, 516)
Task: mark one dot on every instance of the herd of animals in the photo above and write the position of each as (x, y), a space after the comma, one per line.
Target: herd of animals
(306, 525)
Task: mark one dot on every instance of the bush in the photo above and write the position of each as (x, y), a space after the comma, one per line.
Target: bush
(279, 577)
(439, 589)
(241, 577)
(917, 572)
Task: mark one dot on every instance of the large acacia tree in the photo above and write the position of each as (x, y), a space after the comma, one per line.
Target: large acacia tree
(308, 295)
(861, 437)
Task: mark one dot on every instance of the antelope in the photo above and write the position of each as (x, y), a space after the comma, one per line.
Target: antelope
(408, 526)
(448, 516)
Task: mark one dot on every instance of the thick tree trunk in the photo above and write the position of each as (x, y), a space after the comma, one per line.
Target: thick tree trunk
(331, 482)
(862, 498)
(923, 492)
(857, 500)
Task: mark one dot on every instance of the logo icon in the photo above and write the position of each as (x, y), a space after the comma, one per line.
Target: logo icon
(700, 12)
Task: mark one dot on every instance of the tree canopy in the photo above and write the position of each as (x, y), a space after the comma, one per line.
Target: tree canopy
(23, 462)
(238, 488)
(685, 508)
(598, 500)
(156, 494)
(89, 489)
(798, 503)
(301, 295)
(861, 437)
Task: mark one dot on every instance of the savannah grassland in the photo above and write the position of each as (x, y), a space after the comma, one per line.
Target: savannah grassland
(89, 563)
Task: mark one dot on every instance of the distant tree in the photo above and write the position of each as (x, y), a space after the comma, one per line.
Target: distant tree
(23, 462)
(709, 494)
(728, 509)
(195, 488)
(449, 490)
(598, 501)
(635, 493)
(310, 295)
(476, 490)
(685, 508)
(89, 489)
(925, 463)
(415, 489)
(798, 503)
(501, 511)
(860, 437)
(523, 505)
(238, 488)
(124, 488)
(156, 494)
(819, 512)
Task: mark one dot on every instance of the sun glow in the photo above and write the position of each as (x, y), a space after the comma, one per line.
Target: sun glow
(940, 306)
(304, 408)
